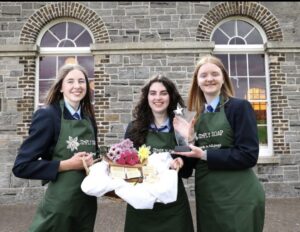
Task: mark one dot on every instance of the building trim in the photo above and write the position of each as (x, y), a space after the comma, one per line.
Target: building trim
(19, 50)
(152, 47)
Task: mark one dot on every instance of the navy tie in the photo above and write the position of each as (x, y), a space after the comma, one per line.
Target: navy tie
(209, 109)
(162, 128)
(76, 116)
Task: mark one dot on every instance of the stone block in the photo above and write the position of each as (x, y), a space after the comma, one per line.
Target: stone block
(11, 10)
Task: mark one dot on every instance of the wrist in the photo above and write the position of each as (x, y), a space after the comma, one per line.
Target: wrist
(192, 138)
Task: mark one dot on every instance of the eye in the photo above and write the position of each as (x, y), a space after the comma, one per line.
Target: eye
(81, 81)
(202, 75)
(215, 74)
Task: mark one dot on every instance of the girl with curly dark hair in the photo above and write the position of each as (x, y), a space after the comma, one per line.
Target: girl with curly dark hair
(153, 126)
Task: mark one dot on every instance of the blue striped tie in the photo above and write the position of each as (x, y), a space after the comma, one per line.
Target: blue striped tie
(76, 116)
(209, 109)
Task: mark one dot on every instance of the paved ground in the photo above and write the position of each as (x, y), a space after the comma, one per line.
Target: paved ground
(282, 215)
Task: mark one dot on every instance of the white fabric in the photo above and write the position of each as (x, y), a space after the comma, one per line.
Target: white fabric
(139, 196)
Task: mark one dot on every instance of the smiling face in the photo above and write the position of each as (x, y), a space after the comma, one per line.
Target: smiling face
(210, 80)
(158, 98)
(74, 88)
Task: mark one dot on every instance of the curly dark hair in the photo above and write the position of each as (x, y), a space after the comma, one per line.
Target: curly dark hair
(143, 114)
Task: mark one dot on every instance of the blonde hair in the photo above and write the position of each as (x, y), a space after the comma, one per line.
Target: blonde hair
(196, 99)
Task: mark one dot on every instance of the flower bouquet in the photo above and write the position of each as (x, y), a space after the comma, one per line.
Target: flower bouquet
(126, 162)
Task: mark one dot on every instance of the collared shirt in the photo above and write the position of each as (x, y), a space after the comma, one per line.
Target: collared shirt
(165, 127)
(214, 103)
(71, 110)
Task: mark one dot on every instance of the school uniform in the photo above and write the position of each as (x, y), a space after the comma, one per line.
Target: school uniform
(54, 136)
(229, 197)
(175, 216)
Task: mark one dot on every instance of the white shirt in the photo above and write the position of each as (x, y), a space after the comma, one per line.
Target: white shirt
(71, 110)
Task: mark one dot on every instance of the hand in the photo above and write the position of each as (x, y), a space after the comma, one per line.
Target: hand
(177, 163)
(195, 152)
(88, 158)
(184, 128)
(75, 162)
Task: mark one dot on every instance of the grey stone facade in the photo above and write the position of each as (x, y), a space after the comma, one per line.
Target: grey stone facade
(133, 41)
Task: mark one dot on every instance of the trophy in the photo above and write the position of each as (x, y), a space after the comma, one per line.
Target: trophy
(181, 128)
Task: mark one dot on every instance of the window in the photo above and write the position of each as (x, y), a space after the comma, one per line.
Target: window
(239, 44)
(62, 42)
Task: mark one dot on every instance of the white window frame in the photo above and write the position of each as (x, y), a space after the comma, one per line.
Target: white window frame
(264, 150)
(58, 51)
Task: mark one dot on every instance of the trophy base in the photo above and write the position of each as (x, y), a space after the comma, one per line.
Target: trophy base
(182, 149)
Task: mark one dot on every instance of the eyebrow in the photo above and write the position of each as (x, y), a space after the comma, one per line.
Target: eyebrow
(158, 91)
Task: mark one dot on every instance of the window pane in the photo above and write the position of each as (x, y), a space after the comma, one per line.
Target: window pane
(66, 60)
(257, 89)
(59, 30)
(224, 59)
(74, 30)
(240, 87)
(238, 65)
(44, 88)
(219, 37)
(243, 28)
(262, 135)
(254, 37)
(256, 65)
(88, 63)
(84, 40)
(47, 67)
(237, 40)
(48, 40)
(229, 28)
(66, 43)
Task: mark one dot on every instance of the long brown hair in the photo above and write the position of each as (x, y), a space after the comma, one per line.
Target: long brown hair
(54, 94)
(196, 99)
(143, 114)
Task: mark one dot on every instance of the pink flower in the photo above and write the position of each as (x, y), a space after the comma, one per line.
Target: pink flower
(131, 158)
(121, 160)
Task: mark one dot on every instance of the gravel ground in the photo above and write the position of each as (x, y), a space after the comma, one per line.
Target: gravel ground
(282, 215)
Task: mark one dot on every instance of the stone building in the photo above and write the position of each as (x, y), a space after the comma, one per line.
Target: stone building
(123, 44)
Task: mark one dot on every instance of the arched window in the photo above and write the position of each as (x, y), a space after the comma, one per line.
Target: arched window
(239, 44)
(61, 42)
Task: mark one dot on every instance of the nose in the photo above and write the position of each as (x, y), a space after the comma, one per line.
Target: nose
(76, 84)
(210, 78)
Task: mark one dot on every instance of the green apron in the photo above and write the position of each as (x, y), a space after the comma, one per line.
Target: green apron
(65, 207)
(175, 216)
(227, 201)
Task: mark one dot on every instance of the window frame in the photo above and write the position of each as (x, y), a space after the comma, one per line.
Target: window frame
(57, 51)
(265, 150)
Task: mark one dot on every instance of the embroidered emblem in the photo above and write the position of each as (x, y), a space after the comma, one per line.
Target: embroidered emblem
(72, 143)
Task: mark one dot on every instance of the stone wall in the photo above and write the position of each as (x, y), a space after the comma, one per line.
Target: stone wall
(133, 41)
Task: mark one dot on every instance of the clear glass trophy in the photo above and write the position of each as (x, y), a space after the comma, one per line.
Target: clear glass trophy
(182, 127)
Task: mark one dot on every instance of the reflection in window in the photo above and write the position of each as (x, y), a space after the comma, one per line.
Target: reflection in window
(63, 35)
(250, 87)
(260, 106)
